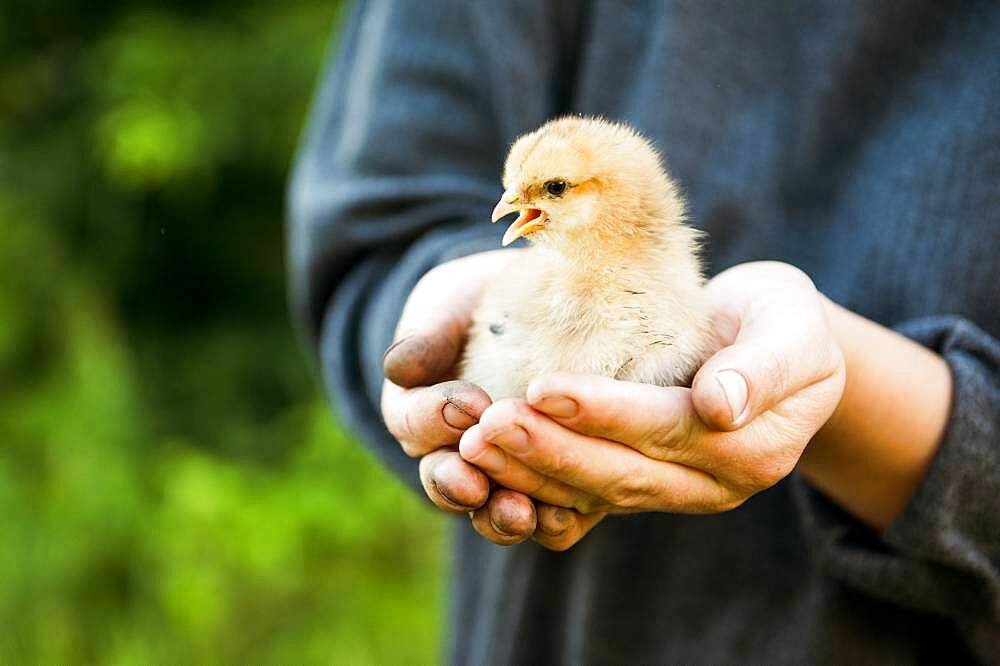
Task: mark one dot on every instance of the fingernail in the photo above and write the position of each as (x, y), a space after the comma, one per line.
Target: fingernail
(456, 417)
(498, 516)
(734, 387)
(514, 440)
(555, 523)
(492, 460)
(558, 406)
(499, 529)
(395, 344)
(441, 491)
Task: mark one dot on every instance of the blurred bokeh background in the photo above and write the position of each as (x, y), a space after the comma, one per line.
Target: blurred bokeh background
(173, 488)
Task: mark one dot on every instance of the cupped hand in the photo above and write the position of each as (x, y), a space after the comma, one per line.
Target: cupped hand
(598, 446)
(427, 410)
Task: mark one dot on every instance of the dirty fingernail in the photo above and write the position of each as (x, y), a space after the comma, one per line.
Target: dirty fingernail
(558, 406)
(554, 521)
(499, 529)
(394, 345)
(440, 488)
(505, 518)
(456, 417)
(734, 387)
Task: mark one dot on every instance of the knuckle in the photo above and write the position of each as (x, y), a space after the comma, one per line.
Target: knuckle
(416, 425)
(521, 410)
(729, 496)
(500, 415)
(662, 428)
(589, 504)
(783, 371)
(726, 499)
(730, 502)
(560, 462)
(410, 449)
(406, 428)
(778, 370)
(630, 491)
(764, 473)
(773, 369)
(652, 440)
(670, 437)
(540, 487)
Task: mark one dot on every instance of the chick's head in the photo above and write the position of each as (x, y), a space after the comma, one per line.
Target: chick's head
(586, 180)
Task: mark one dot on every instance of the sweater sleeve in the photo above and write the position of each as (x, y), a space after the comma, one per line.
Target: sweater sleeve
(398, 172)
(942, 554)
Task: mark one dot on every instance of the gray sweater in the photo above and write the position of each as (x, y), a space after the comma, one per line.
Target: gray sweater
(857, 140)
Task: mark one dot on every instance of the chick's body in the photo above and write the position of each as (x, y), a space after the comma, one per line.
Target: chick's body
(612, 283)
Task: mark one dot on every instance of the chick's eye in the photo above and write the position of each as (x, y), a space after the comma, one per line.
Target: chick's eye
(555, 187)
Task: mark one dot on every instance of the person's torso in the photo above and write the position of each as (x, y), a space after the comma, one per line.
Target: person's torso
(857, 141)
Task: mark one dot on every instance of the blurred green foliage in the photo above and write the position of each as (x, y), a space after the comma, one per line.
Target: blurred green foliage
(172, 488)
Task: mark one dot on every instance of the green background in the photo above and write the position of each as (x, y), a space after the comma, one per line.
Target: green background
(172, 486)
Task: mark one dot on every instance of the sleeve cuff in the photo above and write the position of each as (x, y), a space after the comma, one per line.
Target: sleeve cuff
(954, 515)
(942, 554)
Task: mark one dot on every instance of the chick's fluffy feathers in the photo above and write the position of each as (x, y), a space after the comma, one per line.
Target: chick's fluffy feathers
(612, 283)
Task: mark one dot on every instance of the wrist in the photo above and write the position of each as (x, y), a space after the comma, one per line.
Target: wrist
(874, 450)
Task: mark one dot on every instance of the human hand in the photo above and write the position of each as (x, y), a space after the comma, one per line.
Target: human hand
(599, 446)
(426, 409)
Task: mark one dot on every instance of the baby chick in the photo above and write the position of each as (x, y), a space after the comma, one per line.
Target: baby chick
(612, 283)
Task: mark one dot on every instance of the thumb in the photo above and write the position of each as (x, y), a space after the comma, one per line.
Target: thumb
(770, 360)
(423, 357)
(436, 319)
(738, 383)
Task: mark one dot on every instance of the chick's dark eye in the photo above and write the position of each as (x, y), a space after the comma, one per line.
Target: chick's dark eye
(555, 187)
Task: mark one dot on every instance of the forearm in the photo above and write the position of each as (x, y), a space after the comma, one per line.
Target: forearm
(873, 452)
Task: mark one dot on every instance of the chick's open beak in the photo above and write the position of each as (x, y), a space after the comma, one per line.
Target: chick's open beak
(529, 221)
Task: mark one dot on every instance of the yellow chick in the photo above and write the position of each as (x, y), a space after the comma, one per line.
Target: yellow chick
(612, 282)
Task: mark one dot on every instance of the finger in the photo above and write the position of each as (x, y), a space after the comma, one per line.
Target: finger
(451, 483)
(436, 319)
(775, 354)
(511, 473)
(561, 529)
(613, 472)
(658, 421)
(424, 357)
(426, 418)
(507, 518)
